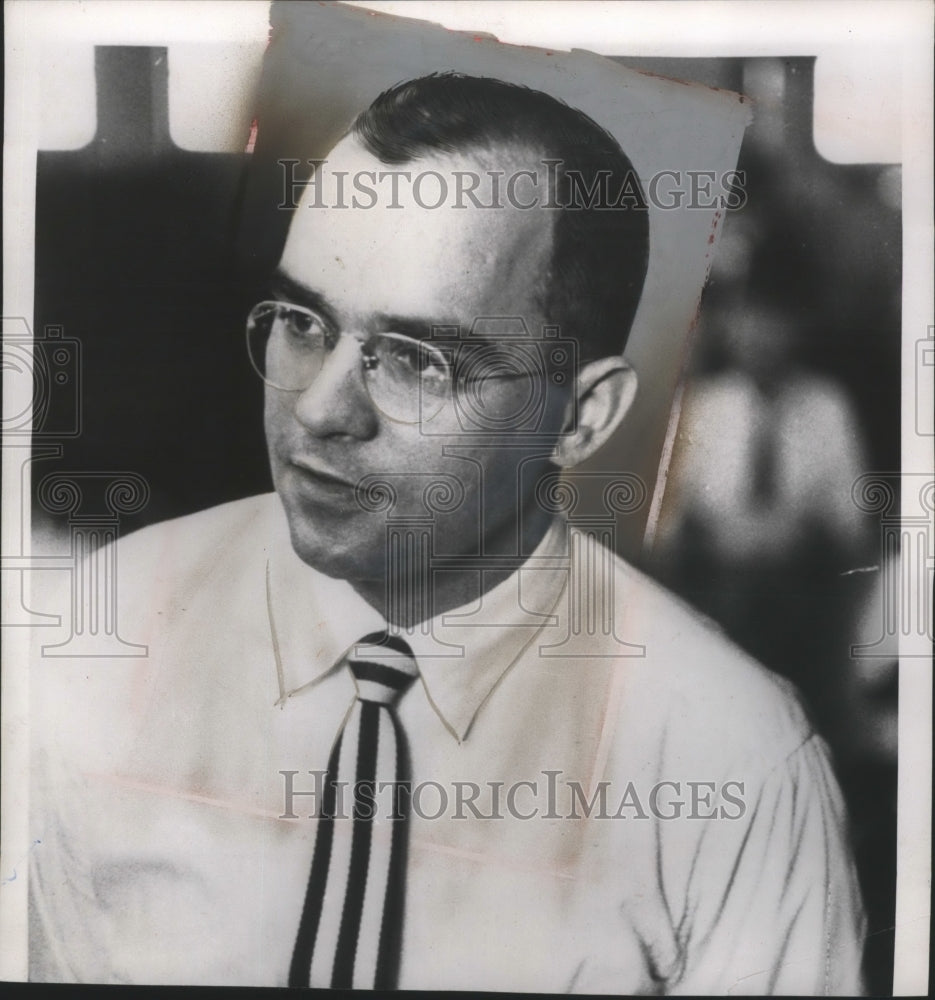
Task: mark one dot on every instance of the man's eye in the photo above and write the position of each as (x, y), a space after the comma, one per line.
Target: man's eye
(413, 358)
(301, 326)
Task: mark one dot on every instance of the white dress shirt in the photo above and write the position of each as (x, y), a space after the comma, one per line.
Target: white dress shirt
(171, 852)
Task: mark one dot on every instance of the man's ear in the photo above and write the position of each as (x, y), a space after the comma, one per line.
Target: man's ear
(604, 391)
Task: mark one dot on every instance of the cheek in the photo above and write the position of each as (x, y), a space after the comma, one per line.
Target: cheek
(276, 417)
(422, 479)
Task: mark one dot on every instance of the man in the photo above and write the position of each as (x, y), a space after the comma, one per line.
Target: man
(590, 789)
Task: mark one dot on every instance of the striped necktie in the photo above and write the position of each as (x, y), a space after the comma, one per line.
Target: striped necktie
(350, 932)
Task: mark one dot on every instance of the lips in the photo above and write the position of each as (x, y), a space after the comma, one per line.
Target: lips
(318, 474)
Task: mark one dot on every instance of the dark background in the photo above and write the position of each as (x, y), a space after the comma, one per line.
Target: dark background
(145, 255)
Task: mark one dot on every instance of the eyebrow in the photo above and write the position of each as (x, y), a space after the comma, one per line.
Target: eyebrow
(411, 326)
(283, 286)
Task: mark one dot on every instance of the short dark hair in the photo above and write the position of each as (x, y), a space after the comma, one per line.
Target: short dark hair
(601, 250)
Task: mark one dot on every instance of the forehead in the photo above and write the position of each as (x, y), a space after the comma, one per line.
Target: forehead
(414, 247)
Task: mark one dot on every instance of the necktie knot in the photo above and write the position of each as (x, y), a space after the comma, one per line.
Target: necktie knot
(383, 667)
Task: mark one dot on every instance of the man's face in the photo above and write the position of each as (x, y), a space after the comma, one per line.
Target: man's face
(403, 269)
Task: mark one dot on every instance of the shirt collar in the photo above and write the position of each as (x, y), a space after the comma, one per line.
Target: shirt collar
(462, 653)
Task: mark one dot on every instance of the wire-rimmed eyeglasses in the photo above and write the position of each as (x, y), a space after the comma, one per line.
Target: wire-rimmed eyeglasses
(408, 380)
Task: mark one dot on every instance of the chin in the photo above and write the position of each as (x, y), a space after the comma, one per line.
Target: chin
(342, 554)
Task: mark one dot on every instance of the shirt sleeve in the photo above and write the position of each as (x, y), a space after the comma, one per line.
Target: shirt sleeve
(772, 903)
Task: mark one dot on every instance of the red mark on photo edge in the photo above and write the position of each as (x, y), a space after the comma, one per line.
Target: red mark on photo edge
(714, 225)
(251, 139)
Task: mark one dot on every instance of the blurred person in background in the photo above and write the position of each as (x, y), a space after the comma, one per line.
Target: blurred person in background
(763, 522)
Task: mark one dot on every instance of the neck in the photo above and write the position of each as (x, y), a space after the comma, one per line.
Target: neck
(408, 595)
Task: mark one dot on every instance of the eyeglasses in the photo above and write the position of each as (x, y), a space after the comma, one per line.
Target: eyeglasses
(408, 380)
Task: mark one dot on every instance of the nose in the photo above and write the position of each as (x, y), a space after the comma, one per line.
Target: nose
(337, 403)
